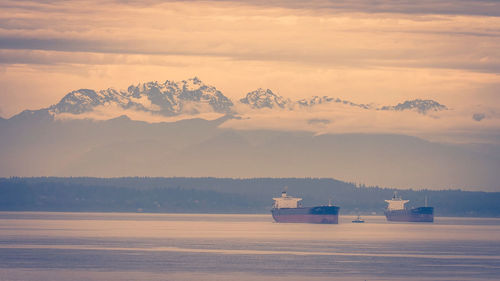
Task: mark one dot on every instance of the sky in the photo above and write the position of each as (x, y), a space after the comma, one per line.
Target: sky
(362, 51)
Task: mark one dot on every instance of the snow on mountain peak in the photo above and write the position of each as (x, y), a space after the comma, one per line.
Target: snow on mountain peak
(84, 100)
(192, 84)
(261, 98)
(168, 98)
(314, 100)
(421, 106)
(192, 96)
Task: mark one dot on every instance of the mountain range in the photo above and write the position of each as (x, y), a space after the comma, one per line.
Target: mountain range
(192, 97)
(37, 143)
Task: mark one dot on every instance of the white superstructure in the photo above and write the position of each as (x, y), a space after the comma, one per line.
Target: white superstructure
(396, 203)
(286, 201)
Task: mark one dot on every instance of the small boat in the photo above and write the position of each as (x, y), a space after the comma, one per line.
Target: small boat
(358, 220)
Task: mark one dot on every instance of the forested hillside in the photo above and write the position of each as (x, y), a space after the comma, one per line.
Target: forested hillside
(223, 195)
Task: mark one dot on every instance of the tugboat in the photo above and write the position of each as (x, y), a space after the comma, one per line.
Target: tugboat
(288, 209)
(358, 220)
(396, 211)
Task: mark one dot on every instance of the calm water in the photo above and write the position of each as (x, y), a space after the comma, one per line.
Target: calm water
(125, 246)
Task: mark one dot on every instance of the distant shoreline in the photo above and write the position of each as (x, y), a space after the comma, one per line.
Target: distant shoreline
(225, 196)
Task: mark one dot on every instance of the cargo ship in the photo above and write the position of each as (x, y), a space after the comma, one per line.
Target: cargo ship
(396, 211)
(289, 209)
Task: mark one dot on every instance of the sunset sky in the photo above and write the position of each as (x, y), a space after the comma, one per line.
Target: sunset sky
(362, 51)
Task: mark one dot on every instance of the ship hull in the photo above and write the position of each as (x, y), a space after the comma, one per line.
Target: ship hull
(320, 214)
(420, 214)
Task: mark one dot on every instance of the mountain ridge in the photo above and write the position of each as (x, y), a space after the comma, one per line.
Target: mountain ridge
(421, 106)
(192, 97)
(168, 98)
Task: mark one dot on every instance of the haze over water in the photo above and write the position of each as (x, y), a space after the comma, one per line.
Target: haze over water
(215, 106)
(130, 246)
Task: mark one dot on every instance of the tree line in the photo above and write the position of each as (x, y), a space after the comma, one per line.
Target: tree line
(224, 195)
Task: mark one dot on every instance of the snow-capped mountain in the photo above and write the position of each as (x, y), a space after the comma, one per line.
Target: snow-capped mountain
(418, 105)
(315, 100)
(329, 133)
(85, 100)
(421, 106)
(169, 98)
(326, 99)
(261, 98)
(191, 97)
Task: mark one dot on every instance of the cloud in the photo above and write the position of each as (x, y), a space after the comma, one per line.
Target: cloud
(110, 111)
(426, 7)
(449, 7)
(257, 32)
(454, 125)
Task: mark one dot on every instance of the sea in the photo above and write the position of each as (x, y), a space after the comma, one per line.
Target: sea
(138, 246)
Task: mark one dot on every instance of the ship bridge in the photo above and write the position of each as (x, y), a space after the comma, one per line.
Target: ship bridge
(396, 203)
(286, 201)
